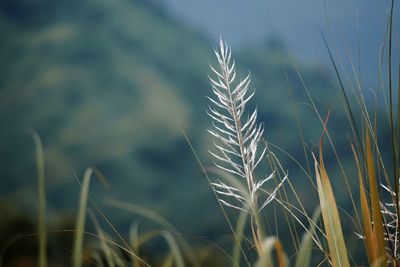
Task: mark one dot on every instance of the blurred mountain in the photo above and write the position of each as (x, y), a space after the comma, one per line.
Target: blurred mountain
(108, 83)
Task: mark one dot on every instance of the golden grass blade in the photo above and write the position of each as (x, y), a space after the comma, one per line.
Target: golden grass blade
(304, 257)
(280, 253)
(80, 222)
(42, 201)
(330, 215)
(266, 257)
(369, 237)
(375, 202)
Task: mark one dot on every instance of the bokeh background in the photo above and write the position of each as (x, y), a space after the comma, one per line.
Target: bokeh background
(109, 84)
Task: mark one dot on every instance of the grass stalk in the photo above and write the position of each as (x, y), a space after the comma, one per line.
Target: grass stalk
(330, 215)
(80, 220)
(42, 200)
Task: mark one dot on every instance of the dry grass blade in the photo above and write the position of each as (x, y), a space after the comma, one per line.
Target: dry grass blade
(375, 202)
(368, 234)
(266, 257)
(42, 201)
(330, 215)
(280, 253)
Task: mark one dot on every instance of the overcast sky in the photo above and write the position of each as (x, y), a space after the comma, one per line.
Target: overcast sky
(344, 22)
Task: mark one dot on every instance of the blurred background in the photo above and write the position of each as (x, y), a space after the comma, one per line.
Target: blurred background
(109, 84)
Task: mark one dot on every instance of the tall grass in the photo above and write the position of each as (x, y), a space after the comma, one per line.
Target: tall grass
(238, 152)
(240, 155)
(237, 140)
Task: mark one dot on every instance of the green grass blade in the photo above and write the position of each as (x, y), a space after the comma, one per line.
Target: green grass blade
(153, 216)
(80, 221)
(239, 232)
(303, 259)
(353, 123)
(42, 201)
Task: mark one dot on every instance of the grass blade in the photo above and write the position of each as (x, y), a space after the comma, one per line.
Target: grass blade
(153, 216)
(304, 257)
(239, 232)
(375, 202)
(266, 258)
(174, 249)
(107, 254)
(169, 261)
(80, 222)
(369, 236)
(42, 201)
(330, 215)
(281, 255)
(134, 242)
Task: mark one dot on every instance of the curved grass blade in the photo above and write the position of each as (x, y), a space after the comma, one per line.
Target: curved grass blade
(80, 221)
(134, 242)
(304, 257)
(266, 256)
(174, 248)
(330, 215)
(102, 240)
(151, 215)
(42, 200)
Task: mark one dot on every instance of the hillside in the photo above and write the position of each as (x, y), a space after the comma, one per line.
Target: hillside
(104, 84)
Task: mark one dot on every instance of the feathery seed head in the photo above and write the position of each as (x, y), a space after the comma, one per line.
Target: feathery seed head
(237, 140)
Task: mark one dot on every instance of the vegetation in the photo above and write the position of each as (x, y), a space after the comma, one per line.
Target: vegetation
(321, 232)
